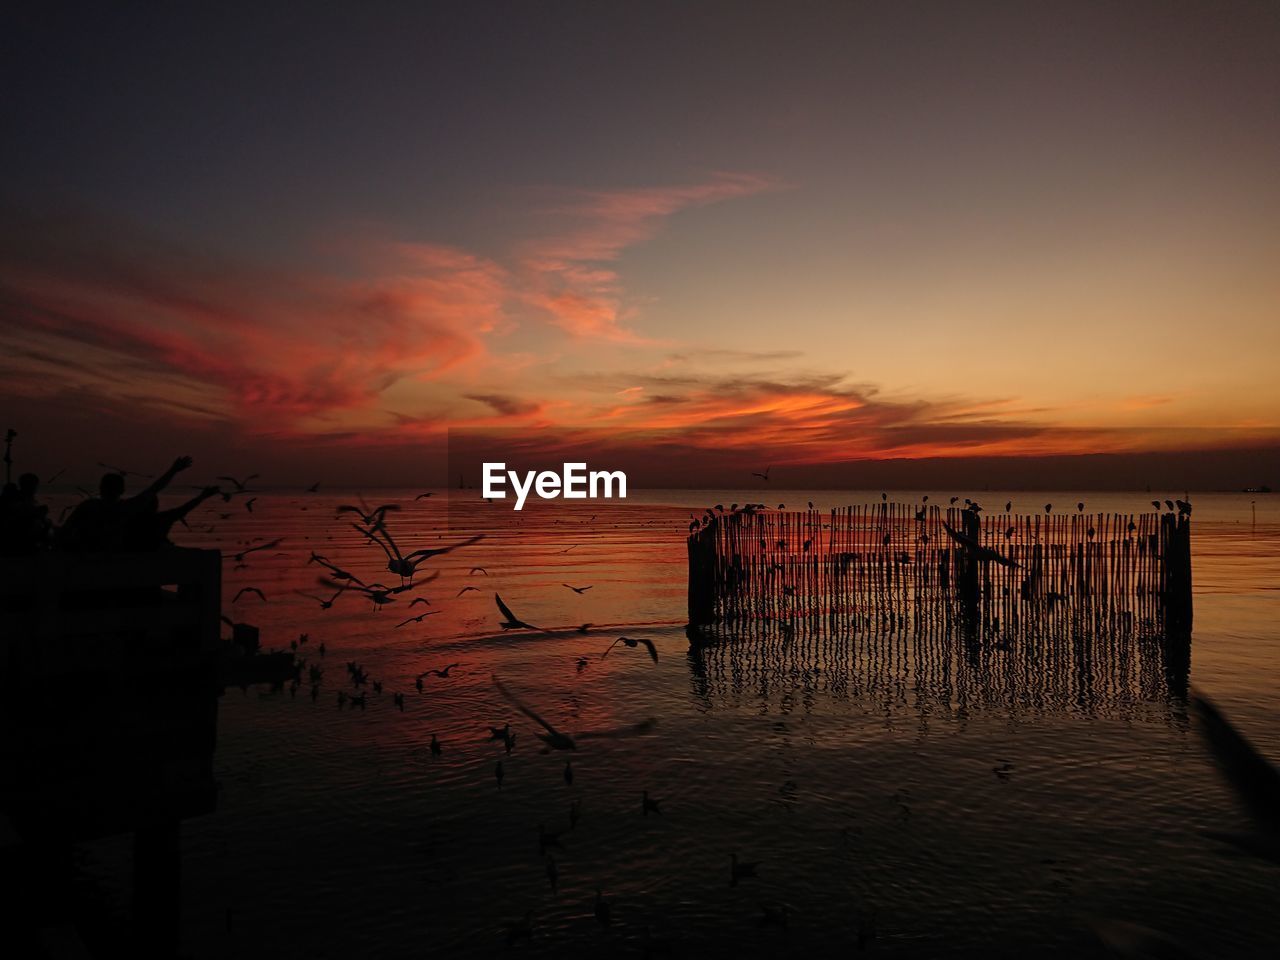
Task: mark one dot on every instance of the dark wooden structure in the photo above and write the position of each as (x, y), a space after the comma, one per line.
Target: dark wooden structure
(894, 566)
(110, 713)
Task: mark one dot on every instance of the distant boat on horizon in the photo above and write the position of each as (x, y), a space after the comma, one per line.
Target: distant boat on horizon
(1262, 489)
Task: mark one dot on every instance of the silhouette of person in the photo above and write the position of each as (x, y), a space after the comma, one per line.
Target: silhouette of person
(24, 523)
(109, 521)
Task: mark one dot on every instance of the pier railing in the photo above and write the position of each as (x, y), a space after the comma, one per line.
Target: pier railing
(902, 566)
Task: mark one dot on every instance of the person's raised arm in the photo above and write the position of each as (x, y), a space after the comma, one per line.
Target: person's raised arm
(177, 513)
(166, 478)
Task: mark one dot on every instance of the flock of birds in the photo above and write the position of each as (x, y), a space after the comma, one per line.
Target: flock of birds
(338, 581)
(1255, 780)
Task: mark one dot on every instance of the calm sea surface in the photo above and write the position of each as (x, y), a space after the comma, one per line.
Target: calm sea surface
(948, 809)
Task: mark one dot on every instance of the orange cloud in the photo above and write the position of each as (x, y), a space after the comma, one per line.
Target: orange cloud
(821, 419)
(304, 352)
(566, 270)
(271, 349)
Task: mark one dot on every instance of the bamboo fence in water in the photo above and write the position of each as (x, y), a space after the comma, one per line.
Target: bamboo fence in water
(894, 566)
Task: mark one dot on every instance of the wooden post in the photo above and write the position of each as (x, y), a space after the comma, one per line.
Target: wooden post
(970, 585)
(1175, 534)
(702, 589)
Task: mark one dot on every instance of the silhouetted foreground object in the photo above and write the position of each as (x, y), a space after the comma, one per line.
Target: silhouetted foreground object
(24, 521)
(104, 762)
(112, 522)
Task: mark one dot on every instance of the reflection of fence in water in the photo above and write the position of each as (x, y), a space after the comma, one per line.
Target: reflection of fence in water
(1062, 668)
(891, 565)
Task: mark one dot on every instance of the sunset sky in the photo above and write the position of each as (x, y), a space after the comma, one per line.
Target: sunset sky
(807, 232)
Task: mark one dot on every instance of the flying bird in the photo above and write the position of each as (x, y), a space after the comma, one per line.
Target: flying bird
(406, 565)
(467, 589)
(419, 618)
(336, 572)
(244, 590)
(765, 475)
(510, 620)
(368, 517)
(555, 740)
(443, 673)
(270, 544)
(241, 486)
(314, 488)
(324, 604)
(248, 504)
(423, 496)
(379, 593)
(633, 642)
(578, 590)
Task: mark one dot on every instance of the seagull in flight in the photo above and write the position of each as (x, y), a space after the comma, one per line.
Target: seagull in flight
(406, 565)
(239, 557)
(419, 618)
(555, 740)
(241, 486)
(442, 672)
(314, 488)
(244, 590)
(633, 642)
(371, 518)
(578, 590)
(423, 496)
(763, 476)
(379, 593)
(510, 620)
(324, 604)
(336, 572)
